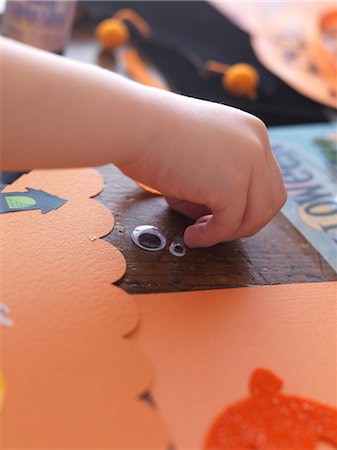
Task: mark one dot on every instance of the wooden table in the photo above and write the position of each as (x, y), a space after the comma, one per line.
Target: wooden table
(277, 254)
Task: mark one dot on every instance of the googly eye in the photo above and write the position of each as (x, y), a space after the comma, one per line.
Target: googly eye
(148, 238)
(177, 248)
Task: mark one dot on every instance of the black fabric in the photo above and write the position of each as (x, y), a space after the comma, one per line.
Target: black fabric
(185, 35)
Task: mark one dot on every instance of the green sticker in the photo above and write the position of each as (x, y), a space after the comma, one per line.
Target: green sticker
(19, 201)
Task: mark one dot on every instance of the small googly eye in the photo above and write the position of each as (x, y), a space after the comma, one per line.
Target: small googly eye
(177, 248)
(148, 238)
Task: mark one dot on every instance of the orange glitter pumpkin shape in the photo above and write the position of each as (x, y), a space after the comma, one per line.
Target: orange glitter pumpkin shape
(269, 420)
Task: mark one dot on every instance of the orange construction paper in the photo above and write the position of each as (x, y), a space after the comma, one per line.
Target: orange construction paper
(261, 15)
(271, 420)
(289, 40)
(205, 345)
(308, 70)
(2, 389)
(72, 378)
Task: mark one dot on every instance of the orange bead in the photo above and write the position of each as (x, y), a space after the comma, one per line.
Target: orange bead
(112, 33)
(242, 80)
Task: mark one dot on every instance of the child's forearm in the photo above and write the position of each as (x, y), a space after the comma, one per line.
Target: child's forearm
(56, 112)
(60, 113)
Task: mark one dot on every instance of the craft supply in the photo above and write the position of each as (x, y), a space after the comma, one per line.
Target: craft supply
(177, 248)
(204, 346)
(295, 41)
(148, 188)
(2, 390)
(148, 237)
(271, 419)
(77, 334)
(113, 33)
(139, 71)
(73, 377)
(239, 79)
(43, 24)
(29, 200)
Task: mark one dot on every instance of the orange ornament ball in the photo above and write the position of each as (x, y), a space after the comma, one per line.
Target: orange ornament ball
(241, 80)
(112, 33)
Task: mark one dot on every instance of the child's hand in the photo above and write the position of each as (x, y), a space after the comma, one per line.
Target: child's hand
(194, 152)
(207, 154)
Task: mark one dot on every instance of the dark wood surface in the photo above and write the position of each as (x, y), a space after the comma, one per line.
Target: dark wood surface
(276, 255)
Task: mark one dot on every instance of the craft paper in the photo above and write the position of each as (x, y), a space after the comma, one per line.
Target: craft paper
(304, 66)
(204, 347)
(31, 199)
(288, 40)
(69, 376)
(262, 15)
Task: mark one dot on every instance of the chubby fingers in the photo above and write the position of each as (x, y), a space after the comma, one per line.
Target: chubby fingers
(247, 211)
(217, 227)
(188, 209)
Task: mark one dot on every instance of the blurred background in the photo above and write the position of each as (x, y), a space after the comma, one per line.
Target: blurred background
(276, 60)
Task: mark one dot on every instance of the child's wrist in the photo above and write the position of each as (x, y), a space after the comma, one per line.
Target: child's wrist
(146, 124)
